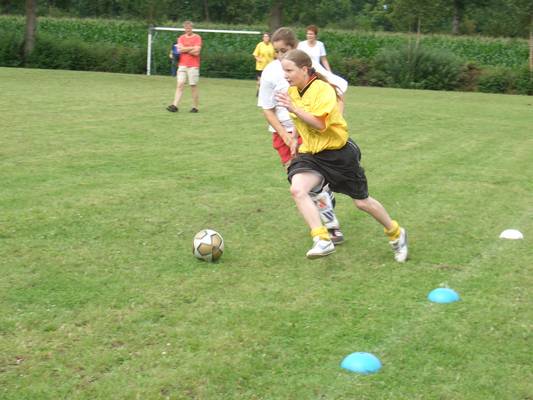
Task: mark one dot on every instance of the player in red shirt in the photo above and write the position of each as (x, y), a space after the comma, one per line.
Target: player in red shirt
(189, 45)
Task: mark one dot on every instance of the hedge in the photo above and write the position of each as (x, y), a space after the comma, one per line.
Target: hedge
(495, 52)
(362, 58)
(72, 54)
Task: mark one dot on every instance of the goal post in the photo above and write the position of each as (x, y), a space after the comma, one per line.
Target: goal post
(154, 29)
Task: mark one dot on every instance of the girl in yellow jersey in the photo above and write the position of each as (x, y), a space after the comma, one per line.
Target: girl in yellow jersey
(263, 54)
(327, 155)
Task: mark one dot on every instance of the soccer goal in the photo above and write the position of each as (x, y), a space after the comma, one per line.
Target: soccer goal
(153, 30)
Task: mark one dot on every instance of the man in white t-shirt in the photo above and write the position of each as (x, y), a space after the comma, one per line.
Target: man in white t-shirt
(284, 136)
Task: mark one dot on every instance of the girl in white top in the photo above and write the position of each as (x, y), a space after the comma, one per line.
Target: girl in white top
(317, 52)
(314, 48)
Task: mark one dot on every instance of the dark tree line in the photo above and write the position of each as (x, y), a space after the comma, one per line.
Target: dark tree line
(511, 18)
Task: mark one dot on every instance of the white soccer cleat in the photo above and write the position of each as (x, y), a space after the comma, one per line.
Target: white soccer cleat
(399, 246)
(320, 248)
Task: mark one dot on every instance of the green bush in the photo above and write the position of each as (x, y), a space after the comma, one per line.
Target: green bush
(354, 70)
(496, 80)
(416, 68)
(228, 65)
(524, 82)
(50, 54)
(468, 79)
(363, 58)
(503, 52)
(74, 54)
(10, 49)
(504, 80)
(483, 51)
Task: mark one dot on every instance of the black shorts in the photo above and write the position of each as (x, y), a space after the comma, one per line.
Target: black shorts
(340, 168)
(258, 73)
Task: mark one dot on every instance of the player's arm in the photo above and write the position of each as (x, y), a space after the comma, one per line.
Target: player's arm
(313, 121)
(185, 49)
(256, 54)
(192, 50)
(324, 61)
(272, 119)
(294, 145)
(195, 50)
(197, 47)
(318, 123)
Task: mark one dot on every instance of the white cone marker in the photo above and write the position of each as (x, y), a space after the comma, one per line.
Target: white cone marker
(513, 234)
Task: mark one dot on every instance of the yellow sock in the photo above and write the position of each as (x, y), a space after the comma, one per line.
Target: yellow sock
(394, 232)
(321, 232)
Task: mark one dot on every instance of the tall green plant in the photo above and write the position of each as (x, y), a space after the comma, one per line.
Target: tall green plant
(11, 49)
(497, 80)
(418, 68)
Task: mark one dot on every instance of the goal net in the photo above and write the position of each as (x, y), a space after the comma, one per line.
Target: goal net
(218, 45)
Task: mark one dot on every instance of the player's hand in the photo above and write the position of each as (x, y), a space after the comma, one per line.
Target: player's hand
(283, 100)
(294, 147)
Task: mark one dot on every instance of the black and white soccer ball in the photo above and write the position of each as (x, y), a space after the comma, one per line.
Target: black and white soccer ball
(208, 245)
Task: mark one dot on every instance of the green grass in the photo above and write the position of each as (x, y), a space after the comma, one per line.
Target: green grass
(102, 191)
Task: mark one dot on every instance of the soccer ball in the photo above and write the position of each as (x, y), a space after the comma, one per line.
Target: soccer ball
(208, 245)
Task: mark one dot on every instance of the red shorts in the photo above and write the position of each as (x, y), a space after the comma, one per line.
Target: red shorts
(283, 150)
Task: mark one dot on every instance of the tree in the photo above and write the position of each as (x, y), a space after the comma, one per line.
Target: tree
(523, 12)
(511, 18)
(413, 14)
(31, 27)
(531, 43)
(206, 10)
(276, 15)
(458, 7)
(376, 16)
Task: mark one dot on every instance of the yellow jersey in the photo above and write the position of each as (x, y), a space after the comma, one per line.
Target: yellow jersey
(319, 99)
(266, 52)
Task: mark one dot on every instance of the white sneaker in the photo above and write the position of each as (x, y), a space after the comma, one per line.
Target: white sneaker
(320, 248)
(399, 246)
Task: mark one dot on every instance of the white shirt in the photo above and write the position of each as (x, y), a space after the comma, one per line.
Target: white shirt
(336, 80)
(315, 52)
(272, 81)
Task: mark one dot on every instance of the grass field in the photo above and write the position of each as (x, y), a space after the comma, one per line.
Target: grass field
(102, 191)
